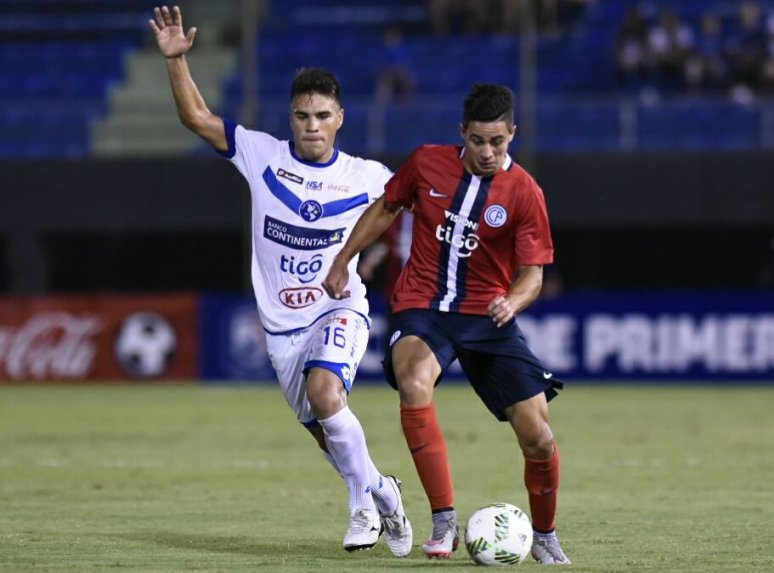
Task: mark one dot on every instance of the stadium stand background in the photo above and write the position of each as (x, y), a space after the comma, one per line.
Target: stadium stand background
(649, 187)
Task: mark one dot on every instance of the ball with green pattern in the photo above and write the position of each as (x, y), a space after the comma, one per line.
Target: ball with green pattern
(498, 534)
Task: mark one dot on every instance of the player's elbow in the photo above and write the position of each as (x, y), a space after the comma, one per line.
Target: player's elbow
(196, 121)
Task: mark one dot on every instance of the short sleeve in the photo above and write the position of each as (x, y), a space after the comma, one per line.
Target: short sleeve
(534, 245)
(378, 176)
(400, 188)
(249, 150)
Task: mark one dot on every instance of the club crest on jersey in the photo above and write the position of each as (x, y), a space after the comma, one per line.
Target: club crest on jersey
(496, 216)
(310, 210)
(290, 176)
(299, 297)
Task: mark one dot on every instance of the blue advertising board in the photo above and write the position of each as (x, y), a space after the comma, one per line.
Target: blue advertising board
(597, 336)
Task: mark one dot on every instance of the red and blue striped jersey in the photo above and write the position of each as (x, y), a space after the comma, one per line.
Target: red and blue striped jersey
(470, 234)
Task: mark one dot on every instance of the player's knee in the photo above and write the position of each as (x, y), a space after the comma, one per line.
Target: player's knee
(326, 400)
(539, 448)
(414, 391)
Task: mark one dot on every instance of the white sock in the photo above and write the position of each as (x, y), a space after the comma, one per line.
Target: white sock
(385, 497)
(347, 447)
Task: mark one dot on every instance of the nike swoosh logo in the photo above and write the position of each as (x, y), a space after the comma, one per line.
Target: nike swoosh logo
(434, 193)
(547, 375)
(417, 449)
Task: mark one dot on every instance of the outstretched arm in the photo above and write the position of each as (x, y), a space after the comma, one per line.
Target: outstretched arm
(174, 45)
(372, 223)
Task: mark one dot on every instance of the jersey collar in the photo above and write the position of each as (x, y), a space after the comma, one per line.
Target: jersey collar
(331, 161)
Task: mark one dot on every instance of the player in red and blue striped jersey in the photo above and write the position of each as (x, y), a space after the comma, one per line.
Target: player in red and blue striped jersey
(480, 238)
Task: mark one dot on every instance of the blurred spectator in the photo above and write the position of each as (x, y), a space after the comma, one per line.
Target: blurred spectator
(554, 17)
(449, 17)
(767, 71)
(557, 16)
(669, 43)
(706, 69)
(631, 49)
(746, 51)
(396, 80)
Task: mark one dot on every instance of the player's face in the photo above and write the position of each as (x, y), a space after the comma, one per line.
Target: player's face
(486, 146)
(315, 119)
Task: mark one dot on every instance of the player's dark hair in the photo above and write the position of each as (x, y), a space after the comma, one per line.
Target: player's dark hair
(488, 102)
(315, 81)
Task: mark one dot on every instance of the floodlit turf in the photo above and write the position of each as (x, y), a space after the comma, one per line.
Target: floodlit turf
(223, 479)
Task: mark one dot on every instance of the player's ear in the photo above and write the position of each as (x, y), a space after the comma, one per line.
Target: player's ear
(340, 118)
(462, 131)
(511, 133)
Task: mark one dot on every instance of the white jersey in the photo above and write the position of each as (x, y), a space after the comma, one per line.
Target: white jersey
(302, 214)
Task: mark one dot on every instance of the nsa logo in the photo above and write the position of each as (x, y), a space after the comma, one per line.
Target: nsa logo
(310, 211)
(314, 185)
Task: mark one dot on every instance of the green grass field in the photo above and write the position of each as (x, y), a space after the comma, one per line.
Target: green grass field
(223, 479)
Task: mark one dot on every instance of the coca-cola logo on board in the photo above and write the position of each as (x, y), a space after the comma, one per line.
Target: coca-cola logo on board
(49, 345)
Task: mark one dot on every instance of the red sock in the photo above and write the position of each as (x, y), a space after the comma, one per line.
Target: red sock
(542, 480)
(428, 448)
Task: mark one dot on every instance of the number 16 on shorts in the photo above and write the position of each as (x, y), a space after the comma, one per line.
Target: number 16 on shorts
(340, 343)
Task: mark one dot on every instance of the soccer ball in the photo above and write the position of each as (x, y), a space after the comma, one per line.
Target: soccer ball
(145, 344)
(498, 534)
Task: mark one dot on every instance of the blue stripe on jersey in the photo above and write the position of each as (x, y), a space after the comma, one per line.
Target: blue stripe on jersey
(443, 262)
(230, 129)
(292, 202)
(342, 205)
(280, 191)
(462, 263)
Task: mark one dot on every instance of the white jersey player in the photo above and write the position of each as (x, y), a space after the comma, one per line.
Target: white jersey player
(306, 196)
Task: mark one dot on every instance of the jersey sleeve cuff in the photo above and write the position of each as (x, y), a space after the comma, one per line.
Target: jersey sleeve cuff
(230, 129)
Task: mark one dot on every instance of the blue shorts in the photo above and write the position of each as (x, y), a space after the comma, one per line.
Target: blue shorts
(497, 362)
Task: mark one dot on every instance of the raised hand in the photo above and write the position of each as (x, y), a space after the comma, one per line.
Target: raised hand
(168, 28)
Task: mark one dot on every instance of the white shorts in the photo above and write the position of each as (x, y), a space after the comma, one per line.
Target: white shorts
(336, 342)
